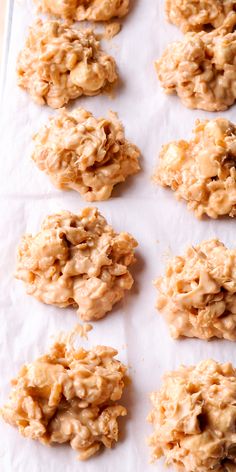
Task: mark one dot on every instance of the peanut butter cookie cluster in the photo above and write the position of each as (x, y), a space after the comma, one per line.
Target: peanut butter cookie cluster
(202, 171)
(89, 155)
(194, 417)
(196, 15)
(61, 62)
(77, 260)
(197, 294)
(95, 10)
(200, 69)
(69, 395)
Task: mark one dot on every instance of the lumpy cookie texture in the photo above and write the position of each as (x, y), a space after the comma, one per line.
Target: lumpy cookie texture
(69, 395)
(95, 10)
(194, 416)
(85, 154)
(195, 15)
(197, 294)
(77, 260)
(202, 171)
(201, 69)
(60, 62)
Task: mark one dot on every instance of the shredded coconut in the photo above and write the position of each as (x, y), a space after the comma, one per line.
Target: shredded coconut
(77, 260)
(201, 68)
(197, 294)
(69, 395)
(202, 171)
(61, 62)
(85, 154)
(194, 416)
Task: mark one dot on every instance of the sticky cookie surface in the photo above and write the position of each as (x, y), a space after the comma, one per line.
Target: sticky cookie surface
(69, 395)
(89, 155)
(95, 10)
(200, 69)
(61, 62)
(197, 294)
(202, 171)
(194, 417)
(77, 260)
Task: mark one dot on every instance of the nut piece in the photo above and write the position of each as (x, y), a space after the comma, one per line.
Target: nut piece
(95, 10)
(77, 260)
(196, 15)
(197, 295)
(86, 154)
(69, 395)
(60, 63)
(202, 171)
(194, 418)
(201, 69)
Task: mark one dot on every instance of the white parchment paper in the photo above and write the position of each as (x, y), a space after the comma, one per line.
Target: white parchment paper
(161, 225)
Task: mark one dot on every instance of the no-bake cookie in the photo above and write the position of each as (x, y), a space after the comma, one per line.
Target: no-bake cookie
(202, 171)
(201, 68)
(196, 15)
(69, 395)
(85, 154)
(194, 416)
(77, 260)
(95, 10)
(197, 294)
(61, 62)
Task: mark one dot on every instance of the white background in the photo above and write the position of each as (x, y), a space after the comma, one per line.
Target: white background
(161, 225)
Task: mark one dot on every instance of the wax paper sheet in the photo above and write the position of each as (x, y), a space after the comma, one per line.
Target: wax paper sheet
(161, 225)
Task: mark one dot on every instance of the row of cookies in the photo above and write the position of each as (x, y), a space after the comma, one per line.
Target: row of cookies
(194, 415)
(61, 62)
(92, 155)
(79, 260)
(70, 394)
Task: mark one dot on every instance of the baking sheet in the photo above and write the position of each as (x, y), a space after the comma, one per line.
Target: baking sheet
(161, 225)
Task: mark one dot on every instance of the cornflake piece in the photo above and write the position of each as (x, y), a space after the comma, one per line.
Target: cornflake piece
(202, 171)
(60, 63)
(77, 260)
(86, 154)
(196, 15)
(95, 10)
(83, 330)
(197, 295)
(69, 395)
(111, 30)
(194, 418)
(201, 68)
